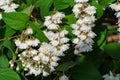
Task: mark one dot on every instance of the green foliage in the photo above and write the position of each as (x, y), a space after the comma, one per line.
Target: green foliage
(8, 74)
(44, 7)
(63, 4)
(4, 63)
(105, 2)
(9, 31)
(113, 50)
(66, 66)
(99, 9)
(16, 20)
(39, 34)
(84, 66)
(85, 71)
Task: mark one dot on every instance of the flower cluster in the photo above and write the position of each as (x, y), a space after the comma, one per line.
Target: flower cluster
(36, 57)
(7, 6)
(82, 29)
(110, 76)
(116, 7)
(55, 34)
(41, 57)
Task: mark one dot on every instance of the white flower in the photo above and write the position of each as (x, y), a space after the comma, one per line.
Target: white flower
(75, 26)
(82, 37)
(63, 33)
(35, 71)
(64, 47)
(110, 76)
(3, 2)
(52, 22)
(35, 42)
(21, 45)
(115, 6)
(83, 47)
(28, 31)
(76, 40)
(85, 28)
(53, 26)
(17, 42)
(55, 58)
(76, 32)
(117, 14)
(51, 35)
(91, 34)
(36, 58)
(53, 64)
(64, 40)
(90, 10)
(9, 8)
(118, 29)
(45, 73)
(56, 18)
(81, 0)
(77, 9)
(63, 77)
(54, 42)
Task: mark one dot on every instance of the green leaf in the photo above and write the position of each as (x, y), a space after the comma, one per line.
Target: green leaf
(70, 19)
(69, 29)
(4, 63)
(85, 71)
(8, 74)
(113, 50)
(8, 45)
(101, 32)
(63, 4)
(28, 10)
(44, 7)
(9, 31)
(105, 2)
(39, 34)
(65, 66)
(99, 9)
(16, 20)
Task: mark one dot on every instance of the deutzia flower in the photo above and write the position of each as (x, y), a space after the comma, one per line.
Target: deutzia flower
(63, 77)
(52, 22)
(82, 29)
(57, 36)
(110, 76)
(7, 6)
(116, 6)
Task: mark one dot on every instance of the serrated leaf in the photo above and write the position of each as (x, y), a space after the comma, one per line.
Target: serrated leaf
(16, 20)
(38, 32)
(65, 66)
(4, 63)
(113, 50)
(85, 71)
(8, 74)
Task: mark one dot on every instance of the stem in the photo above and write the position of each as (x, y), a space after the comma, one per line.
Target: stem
(10, 37)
